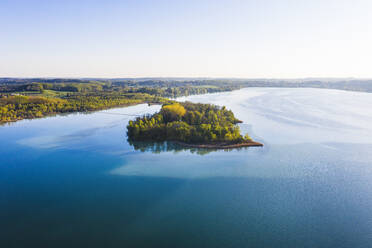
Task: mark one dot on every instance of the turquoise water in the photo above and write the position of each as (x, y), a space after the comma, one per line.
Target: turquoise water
(74, 181)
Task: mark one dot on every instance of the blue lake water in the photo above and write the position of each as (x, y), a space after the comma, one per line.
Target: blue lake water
(74, 181)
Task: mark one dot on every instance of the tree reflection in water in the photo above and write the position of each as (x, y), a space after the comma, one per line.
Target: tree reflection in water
(169, 146)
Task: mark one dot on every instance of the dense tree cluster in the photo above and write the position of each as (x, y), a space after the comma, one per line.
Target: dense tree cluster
(37, 87)
(156, 90)
(14, 108)
(182, 91)
(173, 87)
(187, 122)
(32, 98)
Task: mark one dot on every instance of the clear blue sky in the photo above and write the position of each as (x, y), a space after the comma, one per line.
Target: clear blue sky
(212, 38)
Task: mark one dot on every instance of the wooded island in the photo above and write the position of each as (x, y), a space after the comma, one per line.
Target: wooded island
(191, 125)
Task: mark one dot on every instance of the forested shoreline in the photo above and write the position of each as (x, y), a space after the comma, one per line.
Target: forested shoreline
(24, 100)
(173, 87)
(13, 108)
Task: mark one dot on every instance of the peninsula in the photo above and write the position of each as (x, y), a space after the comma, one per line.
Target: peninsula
(191, 125)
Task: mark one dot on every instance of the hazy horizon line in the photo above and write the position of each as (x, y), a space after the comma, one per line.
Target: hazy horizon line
(185, 77)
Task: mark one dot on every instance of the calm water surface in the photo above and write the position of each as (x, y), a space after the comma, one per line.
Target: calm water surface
(74, 181)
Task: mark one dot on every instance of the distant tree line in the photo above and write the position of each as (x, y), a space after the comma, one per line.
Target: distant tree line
(123, 84)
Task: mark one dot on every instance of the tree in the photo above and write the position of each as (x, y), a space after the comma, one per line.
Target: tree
(172, 112)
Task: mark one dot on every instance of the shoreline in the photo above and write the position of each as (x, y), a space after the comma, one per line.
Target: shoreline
(220, 145)
(53, 114)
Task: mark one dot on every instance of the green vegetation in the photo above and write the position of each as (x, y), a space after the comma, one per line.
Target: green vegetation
(174, 87)
(191, 123)
(19, 107)
(163, 88)
(34, 98)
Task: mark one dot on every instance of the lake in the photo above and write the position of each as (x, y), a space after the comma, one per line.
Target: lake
(74, 180)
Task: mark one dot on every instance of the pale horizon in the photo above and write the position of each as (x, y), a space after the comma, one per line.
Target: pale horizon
(197, 39)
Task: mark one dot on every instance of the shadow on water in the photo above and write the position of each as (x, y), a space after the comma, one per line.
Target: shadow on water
(159, 147)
